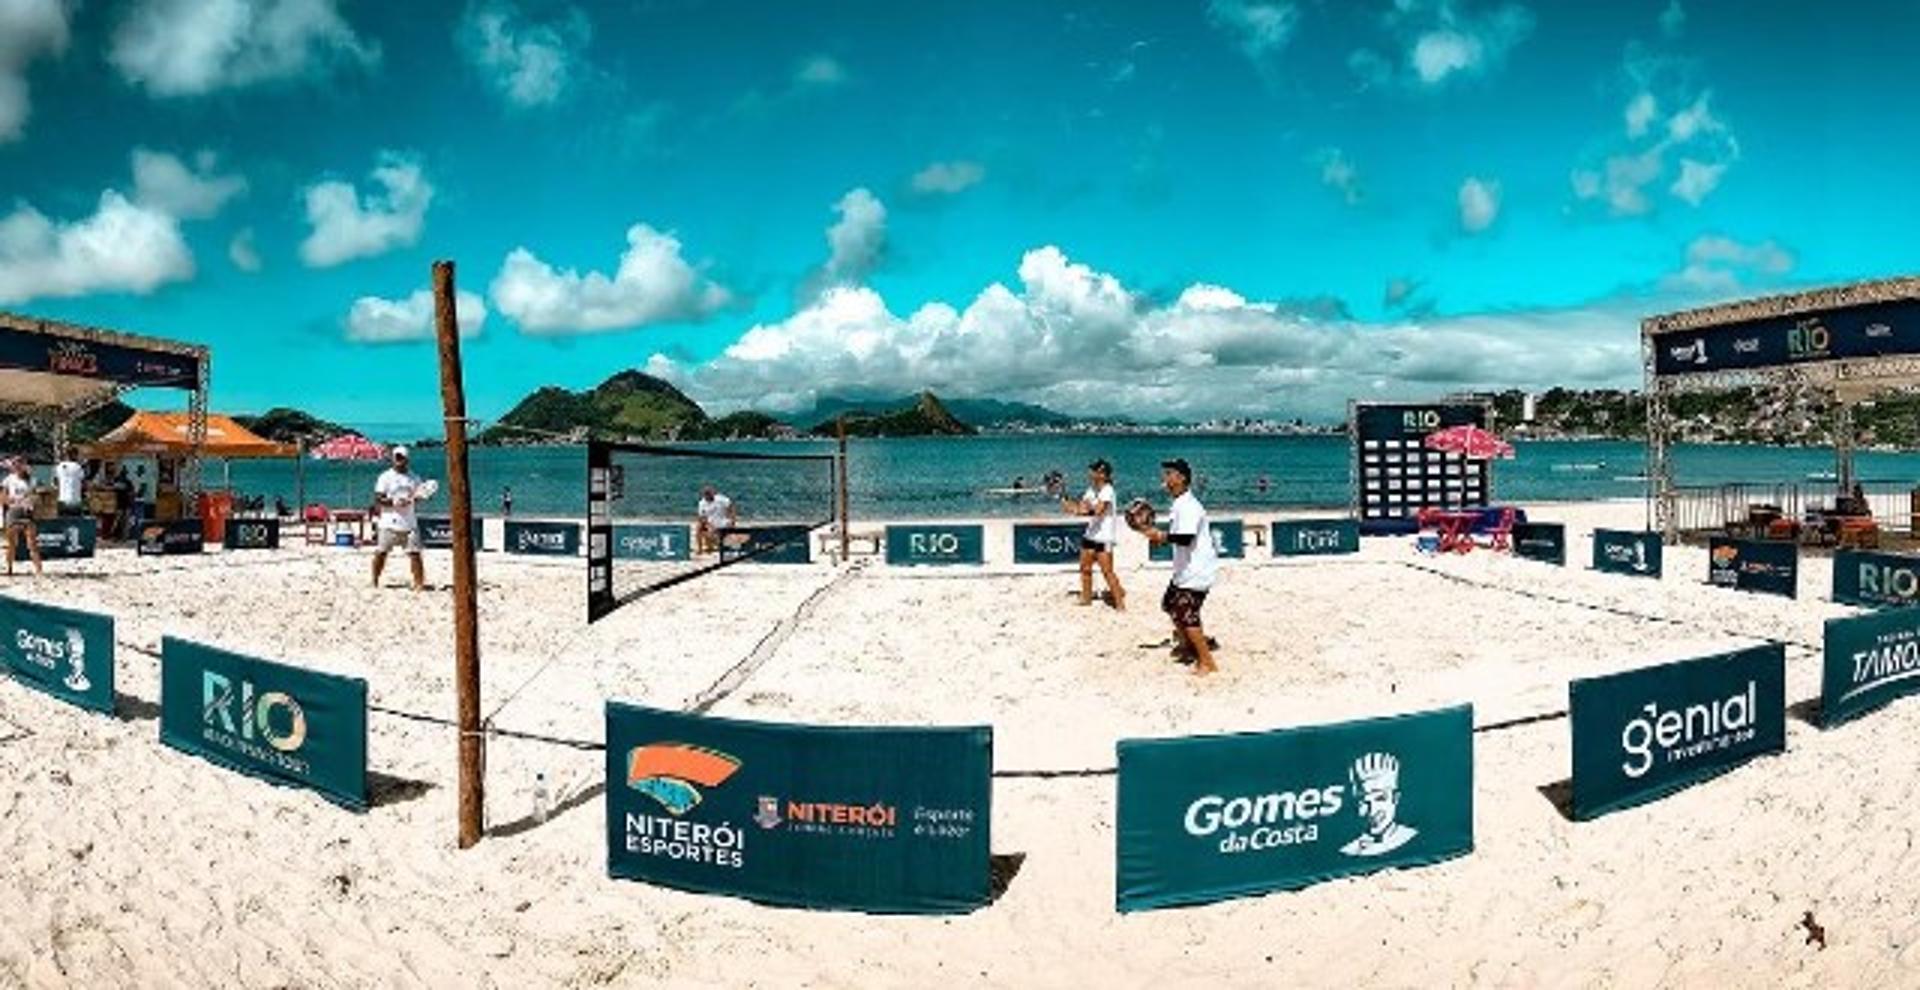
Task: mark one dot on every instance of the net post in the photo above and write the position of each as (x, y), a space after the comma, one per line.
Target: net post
(846, 536)
(466, 618)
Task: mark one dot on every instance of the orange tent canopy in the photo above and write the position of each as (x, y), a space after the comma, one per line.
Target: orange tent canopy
(165, 434)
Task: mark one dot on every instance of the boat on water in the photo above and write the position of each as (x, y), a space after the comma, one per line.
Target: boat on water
(1600, 466)
(1822, 476)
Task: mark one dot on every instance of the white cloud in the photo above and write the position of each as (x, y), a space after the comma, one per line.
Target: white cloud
(1479, 204)
(242, 253)
(121, 247)
(1444, 40)
(374, 320)
(1260, 29)
(1077, 339)
(1697, 180)
(29, 30)
(191, 47)
(347, 225)
(1439, 54)
(1338, 173)
(653, 284)
(195, 192)
(1721, 264)
(1703, 143)
(530, 64)
(1640, 113)
(819, 72)
(1673, 19)
(947, 178)
(856, 243)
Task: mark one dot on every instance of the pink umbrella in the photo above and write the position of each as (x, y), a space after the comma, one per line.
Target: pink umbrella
(1471, 442)
(349, 447)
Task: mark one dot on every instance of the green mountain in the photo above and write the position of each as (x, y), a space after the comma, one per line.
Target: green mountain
(925, 416)
(283, 425)
(37, 445)
(983, 413)
(630, 405)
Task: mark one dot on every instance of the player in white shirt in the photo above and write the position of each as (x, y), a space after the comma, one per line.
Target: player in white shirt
(395, 492)
(69, 478)
(16, 503)
(714, 515)
(1195, 564)
(1096, 545)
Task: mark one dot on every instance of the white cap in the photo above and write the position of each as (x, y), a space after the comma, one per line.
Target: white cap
(399, 450)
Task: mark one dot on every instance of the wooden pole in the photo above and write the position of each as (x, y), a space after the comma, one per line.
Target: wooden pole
(466, 617)
(846, 536)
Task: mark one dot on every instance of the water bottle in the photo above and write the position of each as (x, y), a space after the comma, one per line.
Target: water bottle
(541, 799)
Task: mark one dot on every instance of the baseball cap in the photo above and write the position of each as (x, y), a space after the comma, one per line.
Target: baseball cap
(1100, 464)
(399, 450)
(1179, 466)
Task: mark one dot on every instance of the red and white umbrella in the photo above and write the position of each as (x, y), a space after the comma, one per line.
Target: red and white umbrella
(1470, 442)
(349, 447)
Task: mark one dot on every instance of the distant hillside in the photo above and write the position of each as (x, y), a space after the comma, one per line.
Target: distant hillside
(283, 425)
(38, 446)
(630, 405)
(925, 416)
(981, 413)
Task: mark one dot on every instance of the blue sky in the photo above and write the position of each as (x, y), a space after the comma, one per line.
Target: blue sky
(1162, 209)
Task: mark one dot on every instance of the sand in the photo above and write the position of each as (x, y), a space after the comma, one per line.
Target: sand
(126, 863)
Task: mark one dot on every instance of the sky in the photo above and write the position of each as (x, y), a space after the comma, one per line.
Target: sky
(1168, 209)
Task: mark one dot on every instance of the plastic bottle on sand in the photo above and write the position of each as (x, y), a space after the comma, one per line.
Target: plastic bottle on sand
(541, 799)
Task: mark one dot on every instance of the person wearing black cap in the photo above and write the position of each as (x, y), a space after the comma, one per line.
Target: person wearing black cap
(1096, 545)
(1195, 564)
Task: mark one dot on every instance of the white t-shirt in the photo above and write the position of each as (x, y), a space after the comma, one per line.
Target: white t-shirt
(1196, 564)
(19, 490)
(68, 475)
(714, 511)
(398, 487)
(1104, 529)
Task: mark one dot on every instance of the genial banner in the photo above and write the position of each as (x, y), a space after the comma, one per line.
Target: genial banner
(1047, 543)
(866, 819)
(1873, 580)
(274, 721)
(662, 541)
(65, 538)
(1770, 567)
(1313, 537)
(63, 652)
(1207, 818)
(1870, 661)
(924, 546)
(1642, 734)
(1618, 551)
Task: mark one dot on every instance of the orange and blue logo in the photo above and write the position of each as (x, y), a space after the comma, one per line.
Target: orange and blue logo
(672, 773)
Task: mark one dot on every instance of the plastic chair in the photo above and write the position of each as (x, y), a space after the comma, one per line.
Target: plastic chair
(1500, 535)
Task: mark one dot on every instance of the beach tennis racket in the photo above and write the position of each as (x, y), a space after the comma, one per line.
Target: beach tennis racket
(426, 490)
(1140, 515)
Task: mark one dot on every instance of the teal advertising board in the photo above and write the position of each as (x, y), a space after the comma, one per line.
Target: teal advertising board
(1619, 551)
(61, 651)
(924, 546)
(658, 541)
(766, 544)
(65, 538)
(1315, 537)
(1643, 734)
(892, 820)
(1207, 818)
(1874, 580)
(1545, 542)
(253, 534)
(1229, 540)
(1870, 661)
(1770, 567)
(269, 720)
(1047, 543)
(543, 539)
(436, 532)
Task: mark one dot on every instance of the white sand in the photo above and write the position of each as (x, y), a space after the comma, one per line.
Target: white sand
(125, 863)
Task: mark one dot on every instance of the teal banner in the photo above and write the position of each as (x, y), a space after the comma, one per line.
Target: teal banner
(866, 819)
(1768, 566)
(436, 532)
(1546, 542)
(543, 539)
(915, 546)
(253, 534)
(1229, 540)
(1206, 818)
(270, 720)
(64, 652)
(767, 544)
(1047, 543)
(1870, 660)
(1643, 734)
(1618, 551)
(66, 538)
(1314, 537)
(668, 541)
(1872, 579)
(164, 538)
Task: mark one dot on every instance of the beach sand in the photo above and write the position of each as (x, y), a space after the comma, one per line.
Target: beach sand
(130, 864)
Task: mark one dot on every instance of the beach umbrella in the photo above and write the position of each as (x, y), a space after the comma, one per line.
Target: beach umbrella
(349, 447)
(1471, 442)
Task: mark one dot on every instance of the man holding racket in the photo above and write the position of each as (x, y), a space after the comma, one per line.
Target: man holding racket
(1195, 562)
(395, 493)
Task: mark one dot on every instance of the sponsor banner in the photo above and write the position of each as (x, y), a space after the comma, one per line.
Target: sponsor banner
(1312, 537)
(1870, 660)
(1768, 566)
(64, 652)
(913, 546)
(270, 720)
(436, 532)
(1047, 543)
(179, 536)
(544, 539)
(1863, 331)
(126, 364)
(1229, 540)
(253, 534)
(1873, 579)
(1642, 734)
(1541, 541)
(663, 541)
(1618, 551)
(1206, 818)
(766, 544)
(65, 538)
(866, 819)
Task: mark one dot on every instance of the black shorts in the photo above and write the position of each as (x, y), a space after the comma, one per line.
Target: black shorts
(1183, 606)
(1097, 546)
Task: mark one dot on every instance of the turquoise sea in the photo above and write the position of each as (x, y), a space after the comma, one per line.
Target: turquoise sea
(950, 477)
